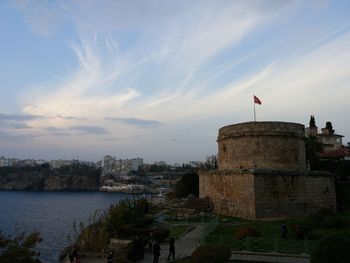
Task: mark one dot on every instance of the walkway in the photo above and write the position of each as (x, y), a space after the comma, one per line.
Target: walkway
(184, 246)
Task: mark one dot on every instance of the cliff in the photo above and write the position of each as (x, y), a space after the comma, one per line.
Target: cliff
(40, 182)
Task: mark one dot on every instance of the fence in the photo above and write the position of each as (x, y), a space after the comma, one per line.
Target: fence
(260, 244)
(209, 227)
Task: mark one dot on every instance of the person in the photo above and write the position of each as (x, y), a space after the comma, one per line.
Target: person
(150, 241)
(110, 257)
(72, 255)
(171, 248)
(283, 230)
(139, 247)
(156, 252)
(77, 258)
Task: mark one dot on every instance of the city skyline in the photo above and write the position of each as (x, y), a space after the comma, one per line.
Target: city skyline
(157, 79)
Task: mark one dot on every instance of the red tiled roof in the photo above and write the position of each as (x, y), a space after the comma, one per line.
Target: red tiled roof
(340, 152)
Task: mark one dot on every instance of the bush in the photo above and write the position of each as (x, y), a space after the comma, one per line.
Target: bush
(246, 231)
(211, 254)
(144, 221)
(334, 248)
(331, 221)
(142, 206)
(321, 214)
(131, 231)
(302, 228)
(161, 233)
(136, 250)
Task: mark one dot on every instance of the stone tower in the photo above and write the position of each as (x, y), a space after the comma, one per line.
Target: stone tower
(261, 173)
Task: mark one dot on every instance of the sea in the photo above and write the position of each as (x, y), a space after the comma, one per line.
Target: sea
(52, 214)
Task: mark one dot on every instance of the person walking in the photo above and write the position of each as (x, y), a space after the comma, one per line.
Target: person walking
(110, 257)
(156, 252)
(171, 248)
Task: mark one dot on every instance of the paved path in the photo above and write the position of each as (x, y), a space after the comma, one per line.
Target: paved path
(184, 246)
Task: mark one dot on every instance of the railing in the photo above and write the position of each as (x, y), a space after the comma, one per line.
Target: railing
(209, 227)
(260, 244)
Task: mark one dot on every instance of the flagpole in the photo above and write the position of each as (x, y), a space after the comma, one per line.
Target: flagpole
(254, 111)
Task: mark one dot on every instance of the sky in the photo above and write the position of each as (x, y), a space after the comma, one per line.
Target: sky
(156, 79)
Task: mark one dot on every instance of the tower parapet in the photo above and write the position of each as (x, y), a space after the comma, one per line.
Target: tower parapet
(270, 145)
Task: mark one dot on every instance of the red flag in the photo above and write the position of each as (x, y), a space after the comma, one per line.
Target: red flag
(256, 100)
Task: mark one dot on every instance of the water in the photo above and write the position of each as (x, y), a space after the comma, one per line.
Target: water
(50, 213)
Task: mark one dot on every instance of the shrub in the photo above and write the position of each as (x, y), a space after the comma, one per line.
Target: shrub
(333, 248)
(144, 221)
(161, 233)
(331, 221)
(210, 254)
(142, 206)
(136, 250)
(246, 231)
(321, 214)
(128, 231)
(302, 228)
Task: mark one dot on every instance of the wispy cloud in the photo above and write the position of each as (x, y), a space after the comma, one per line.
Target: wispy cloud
(17, 117)
(89, 129)
(137, 122)
(183, 65)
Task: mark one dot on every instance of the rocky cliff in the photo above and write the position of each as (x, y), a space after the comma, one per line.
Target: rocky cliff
(49, 183)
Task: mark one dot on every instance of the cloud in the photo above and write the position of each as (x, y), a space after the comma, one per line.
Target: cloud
(137, 122)
(7, 137)
(90, 130)
(18, 117)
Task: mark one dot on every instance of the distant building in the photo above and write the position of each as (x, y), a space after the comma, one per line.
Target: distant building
(120, 167)
(329, 139)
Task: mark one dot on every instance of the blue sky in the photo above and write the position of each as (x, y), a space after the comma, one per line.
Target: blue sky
(157, 79)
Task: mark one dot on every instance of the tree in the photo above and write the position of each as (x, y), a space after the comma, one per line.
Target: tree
(312, 149)
(21, 249)
(189, 184)
(329, 127)
(333, 248)
(312, 122)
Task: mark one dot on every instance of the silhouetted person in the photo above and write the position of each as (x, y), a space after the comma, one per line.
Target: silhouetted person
(156, 252)
(171, 248)
(110, 257)
(283, 230)
(150, 241)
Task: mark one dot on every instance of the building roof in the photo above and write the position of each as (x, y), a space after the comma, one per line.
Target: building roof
(340, 152)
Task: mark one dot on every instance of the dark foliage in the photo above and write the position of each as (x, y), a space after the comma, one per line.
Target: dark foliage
(210, 254)
(136, 249)
(124, 213)
(189, 184)
(312, 122)
(329, 127)
(302, 228)
(321, 214)
(21, 249)
(333, 248)
(313, 147)
(161, 233)
(246, 231)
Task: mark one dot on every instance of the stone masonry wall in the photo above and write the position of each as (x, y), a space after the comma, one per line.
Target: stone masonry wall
(231, 194)
(292, 195)
(271, 145)
(263, 195)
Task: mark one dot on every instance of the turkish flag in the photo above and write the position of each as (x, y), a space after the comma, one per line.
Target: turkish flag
(256, 100)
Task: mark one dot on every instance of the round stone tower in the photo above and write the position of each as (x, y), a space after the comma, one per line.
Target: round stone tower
(270, 145)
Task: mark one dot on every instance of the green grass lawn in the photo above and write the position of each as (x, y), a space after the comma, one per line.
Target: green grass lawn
(178, 230)
(269, 239)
